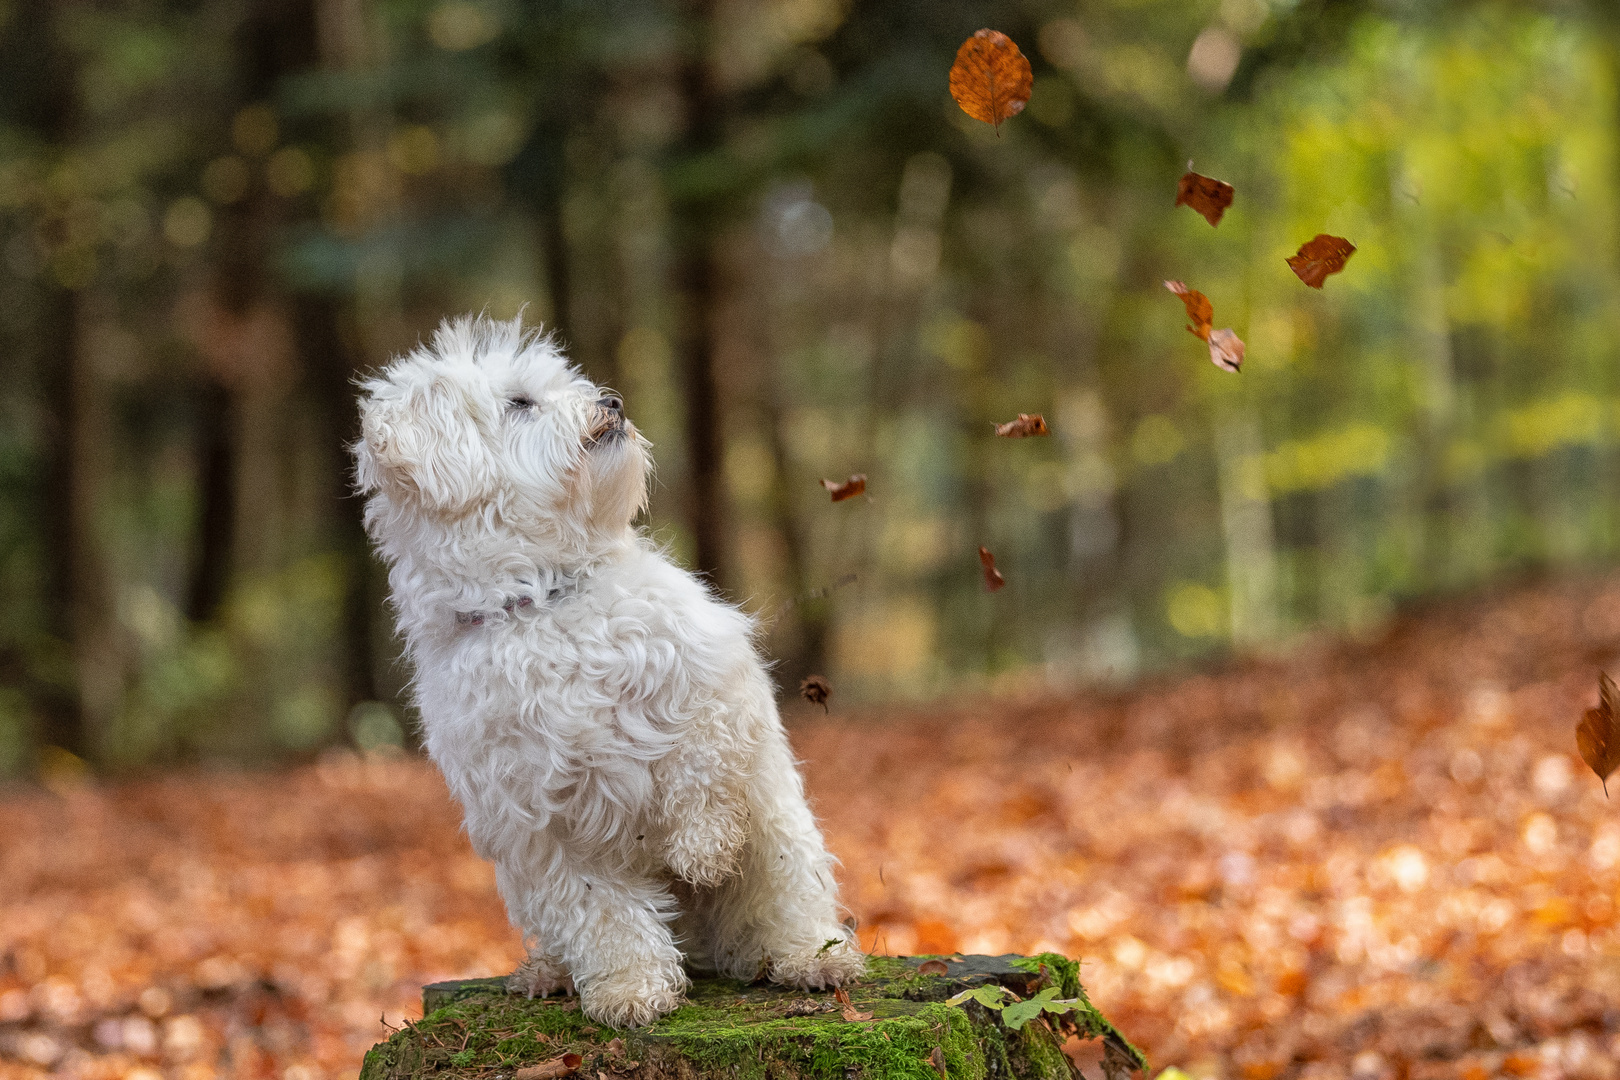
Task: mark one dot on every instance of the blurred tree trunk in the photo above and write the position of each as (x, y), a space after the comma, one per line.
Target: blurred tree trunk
(330, 369)
(696, 273)
(43, 100)
(1251, 547)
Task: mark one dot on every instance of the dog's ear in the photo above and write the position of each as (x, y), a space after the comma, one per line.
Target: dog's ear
(426, 441)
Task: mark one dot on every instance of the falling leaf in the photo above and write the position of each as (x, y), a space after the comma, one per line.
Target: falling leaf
(991, 79)
(1225, 347)
(992, 577)
(1598, 736)
(850, 1012)
(932, 967)
(1226, 350)
(1023, 427)
(1322, 256)
(1204, 194)
(565, 1065)
(937, 1059)
(1199, 309)
(816, 690)
(855, 485)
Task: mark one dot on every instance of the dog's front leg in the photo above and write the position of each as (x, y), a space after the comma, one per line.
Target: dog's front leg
(702, 801)
(611, 932)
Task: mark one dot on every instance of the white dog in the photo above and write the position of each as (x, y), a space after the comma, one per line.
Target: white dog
(604, 721)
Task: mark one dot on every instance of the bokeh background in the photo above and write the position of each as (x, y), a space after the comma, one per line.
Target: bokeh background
(767, 224)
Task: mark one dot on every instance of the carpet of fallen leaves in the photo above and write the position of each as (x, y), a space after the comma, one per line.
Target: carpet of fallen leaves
(1368, 861)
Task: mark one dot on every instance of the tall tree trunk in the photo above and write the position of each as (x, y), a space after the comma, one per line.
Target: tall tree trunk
(329, 367)
(697, 284)
(43, 99)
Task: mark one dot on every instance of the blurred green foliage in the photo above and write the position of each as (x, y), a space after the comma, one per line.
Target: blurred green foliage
(213, 214)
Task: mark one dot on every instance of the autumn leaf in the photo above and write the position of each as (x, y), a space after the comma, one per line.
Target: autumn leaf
(1321, 256)
(991, 79)
(992, 577)
(564, 1065)
(1023, 427)
(1226, 350)
(932, 967)
(1598, 735)
(855, 485)
(1225, 347)
(1118, 1062)
(816, 690)
(936, 1058)
(850, 1012)
(1199, 309)
(1204, 194)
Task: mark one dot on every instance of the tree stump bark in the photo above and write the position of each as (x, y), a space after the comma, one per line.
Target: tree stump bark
(896, 1026)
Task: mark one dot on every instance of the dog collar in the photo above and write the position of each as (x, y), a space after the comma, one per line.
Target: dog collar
(513, 605)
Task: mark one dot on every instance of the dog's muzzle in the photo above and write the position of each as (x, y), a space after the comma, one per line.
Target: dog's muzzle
(610, 424)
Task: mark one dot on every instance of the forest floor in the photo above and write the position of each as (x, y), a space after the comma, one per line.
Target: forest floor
(1376, 860)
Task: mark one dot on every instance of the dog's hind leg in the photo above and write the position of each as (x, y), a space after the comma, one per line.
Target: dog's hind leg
(539, 976)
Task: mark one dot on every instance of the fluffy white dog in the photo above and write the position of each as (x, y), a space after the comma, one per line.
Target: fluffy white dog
(604, 721)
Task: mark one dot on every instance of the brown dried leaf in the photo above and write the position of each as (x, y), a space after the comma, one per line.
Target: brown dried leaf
(564, 1065)
(850, 1012)
(855, 485)
(1118, 1063)
(1321, 256)
(1025, 426)
(816, 690)
(1226, 350)
(937, 1059)
(1597, 736)
(1204, 194)
(991, 79)
(932, 967)
(992, 577)
(1199, 309)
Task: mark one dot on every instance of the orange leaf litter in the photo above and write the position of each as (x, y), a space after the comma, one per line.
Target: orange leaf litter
(1374, 861)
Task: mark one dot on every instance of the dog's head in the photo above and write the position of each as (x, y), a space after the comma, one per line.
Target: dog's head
(489, 419)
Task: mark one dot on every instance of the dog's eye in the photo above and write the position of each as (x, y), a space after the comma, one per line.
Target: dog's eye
(520, 401)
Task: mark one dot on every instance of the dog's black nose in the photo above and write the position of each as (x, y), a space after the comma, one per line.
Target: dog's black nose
(613, 403)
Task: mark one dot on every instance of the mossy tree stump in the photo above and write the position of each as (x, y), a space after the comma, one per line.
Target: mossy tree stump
(759, 1031)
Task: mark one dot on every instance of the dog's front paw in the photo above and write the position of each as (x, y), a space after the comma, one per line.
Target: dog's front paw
(629, 999)
(538, 977)
(704, 850)
(822, 969)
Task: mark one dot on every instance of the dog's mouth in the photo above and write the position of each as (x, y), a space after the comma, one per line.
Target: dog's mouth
(610, 427)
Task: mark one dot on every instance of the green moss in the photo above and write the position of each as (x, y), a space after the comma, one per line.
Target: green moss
(743, 1031)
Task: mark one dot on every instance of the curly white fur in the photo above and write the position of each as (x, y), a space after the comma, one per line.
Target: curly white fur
(604, 721)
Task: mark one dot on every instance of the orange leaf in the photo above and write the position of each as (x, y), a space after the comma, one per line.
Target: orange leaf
(1204, 194)
(1226, 350)
(850, 1012)
(855, 485)
(1023, 427)
(1598, 735)
(991, 79)
(1321, 256)
(566, 1065)
(992, 577)
(1199, 309)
